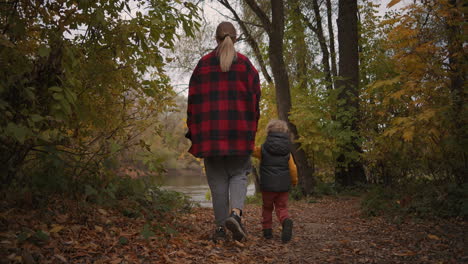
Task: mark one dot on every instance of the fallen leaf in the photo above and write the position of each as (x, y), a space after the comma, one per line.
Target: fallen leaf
(239, 244)
(404, 254)
(98, 228)
(27, 257)
(116, 261)
(434, 237)
(55, 228)
(102, 211)
(167, 259)
(81, 254)
(62, 218)
(62, 258)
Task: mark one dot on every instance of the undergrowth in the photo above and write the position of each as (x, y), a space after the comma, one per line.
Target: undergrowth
(133, 197)
(423, 200)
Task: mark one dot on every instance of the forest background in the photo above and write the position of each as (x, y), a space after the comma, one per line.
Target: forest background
(375, 103)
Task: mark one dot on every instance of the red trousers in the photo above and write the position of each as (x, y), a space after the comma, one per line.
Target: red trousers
(277, 201)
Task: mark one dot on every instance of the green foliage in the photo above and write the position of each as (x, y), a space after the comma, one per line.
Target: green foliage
(423, 199)
(296, 193)
(378, 201)
(325, 188)
(254, 199)
(160, 231)
(208, 195)
(81, 81)
(146, 232)
(39, 237)
(123, 240)
(412, 127)
(170, 201)
(268, 112)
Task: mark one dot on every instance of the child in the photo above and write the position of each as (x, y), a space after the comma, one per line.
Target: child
(277, 172)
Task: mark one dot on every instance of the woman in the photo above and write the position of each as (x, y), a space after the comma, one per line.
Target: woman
(222, 117)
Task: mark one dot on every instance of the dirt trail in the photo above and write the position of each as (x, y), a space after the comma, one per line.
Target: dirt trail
(330, 230)
(333, 231)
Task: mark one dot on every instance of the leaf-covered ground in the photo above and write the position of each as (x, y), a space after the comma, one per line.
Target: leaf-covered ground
(328, 231)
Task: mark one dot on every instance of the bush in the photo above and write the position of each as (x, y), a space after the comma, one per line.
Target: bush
(254, 199)
(296, 193)
(325, 188)
(166, 201)
(418, 199)
(378, 201)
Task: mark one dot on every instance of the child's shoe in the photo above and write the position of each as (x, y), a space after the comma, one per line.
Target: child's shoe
(286, 234)
(267, 233)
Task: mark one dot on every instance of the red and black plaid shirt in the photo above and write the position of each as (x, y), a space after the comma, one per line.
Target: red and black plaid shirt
(223, 107)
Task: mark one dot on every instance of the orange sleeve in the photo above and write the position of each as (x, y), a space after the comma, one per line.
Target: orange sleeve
(293, 170)
(257, 153)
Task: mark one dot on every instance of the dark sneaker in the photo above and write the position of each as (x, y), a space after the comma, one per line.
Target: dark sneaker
(267, 233)
(233, 223)
(286, 234)
(219, 234)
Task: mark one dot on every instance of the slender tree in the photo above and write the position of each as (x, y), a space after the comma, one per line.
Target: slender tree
(275, 31)
(331, 36)
(299, 44)
(318, 30)
(349, 169)
(250, 40)
(457, 75)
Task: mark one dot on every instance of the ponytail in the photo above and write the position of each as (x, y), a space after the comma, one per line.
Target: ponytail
(226, 53)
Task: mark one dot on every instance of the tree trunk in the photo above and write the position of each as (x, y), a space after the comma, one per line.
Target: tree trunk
(349, 170)
(299, 45)
(457, 57)
(323, 45)
(283, 96)
(275, 30)
(331, 36)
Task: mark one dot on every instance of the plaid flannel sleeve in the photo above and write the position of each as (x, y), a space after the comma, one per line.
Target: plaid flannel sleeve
(193, 86)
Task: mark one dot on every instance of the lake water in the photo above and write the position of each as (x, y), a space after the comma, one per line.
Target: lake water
(192, 183)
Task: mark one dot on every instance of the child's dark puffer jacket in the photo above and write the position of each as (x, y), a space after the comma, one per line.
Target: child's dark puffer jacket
(274, 168)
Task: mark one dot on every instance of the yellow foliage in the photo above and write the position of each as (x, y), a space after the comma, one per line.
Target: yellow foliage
(398, 94)
(408, 134)
(427, 114)
(383, 83)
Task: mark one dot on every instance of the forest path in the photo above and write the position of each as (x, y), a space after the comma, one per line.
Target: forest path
(331, 230)
(328, 230)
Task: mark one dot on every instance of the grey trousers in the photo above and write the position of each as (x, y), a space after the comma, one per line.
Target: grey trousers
(227, 178)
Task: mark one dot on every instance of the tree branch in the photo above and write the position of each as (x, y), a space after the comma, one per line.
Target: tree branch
(249, 38)
(261, 15)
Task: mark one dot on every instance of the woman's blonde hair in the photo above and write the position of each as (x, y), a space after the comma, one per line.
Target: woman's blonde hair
(226, 36)
(276, 125)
